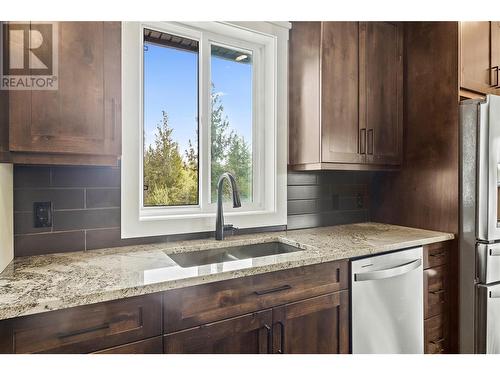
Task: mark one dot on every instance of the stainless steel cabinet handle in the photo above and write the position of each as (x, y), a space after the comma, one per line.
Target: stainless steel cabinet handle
(269, 338)
(362, 141)
(494, 70)
(369, 141)
(82, 331)
(389, 272)
(439, 291)
(273, 290)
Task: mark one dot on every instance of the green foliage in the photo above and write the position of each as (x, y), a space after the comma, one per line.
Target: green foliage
(172, 180)
(169, 180)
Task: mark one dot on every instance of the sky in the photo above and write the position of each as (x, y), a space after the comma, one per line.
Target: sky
(171, 84)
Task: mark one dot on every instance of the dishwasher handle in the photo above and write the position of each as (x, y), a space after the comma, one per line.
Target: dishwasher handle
(389, 272)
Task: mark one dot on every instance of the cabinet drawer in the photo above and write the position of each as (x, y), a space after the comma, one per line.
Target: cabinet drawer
(88, 328)
(436, 254)
(193, 306)
(435, 335)
(435, 293)
(148, 346)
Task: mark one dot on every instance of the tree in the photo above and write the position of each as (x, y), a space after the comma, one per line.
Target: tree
(168, 180)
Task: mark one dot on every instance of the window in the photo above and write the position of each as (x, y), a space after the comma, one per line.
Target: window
(201, 99)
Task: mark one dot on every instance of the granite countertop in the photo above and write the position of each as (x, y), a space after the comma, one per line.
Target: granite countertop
(42, 283)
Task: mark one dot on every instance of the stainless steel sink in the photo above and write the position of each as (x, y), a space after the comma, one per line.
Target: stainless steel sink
(227, 254)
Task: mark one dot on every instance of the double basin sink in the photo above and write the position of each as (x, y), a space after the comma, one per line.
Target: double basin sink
(228, 254)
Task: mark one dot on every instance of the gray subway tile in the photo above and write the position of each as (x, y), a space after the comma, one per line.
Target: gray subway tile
(31, 176)
(111, 237)
(102, 197)
(301, 178)
(24, 223)
(86, 219)
(60, 198)
(85, 177)
(302, 206)
(303, 192)
(46, 243)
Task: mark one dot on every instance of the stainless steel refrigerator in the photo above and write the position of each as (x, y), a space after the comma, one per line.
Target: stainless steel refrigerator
(480, 226)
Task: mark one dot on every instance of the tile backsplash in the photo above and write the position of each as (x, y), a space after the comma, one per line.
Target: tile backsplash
(324, 198)
(86, 206)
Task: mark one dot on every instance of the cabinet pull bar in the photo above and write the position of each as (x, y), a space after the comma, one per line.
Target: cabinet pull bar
(269, 338)
(494, 70)
(273, 290)
(437, 254)
(82, 331)
(281, 350)
(438, 341)
(370, 142)
(362, 141)
(439, 291)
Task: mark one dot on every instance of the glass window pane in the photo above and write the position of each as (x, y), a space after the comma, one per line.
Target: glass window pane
(170, 120)
(231, 125)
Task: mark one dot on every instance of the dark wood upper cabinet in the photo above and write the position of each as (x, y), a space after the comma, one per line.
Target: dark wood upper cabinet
(340, 93)
(479, 58)
(80, 122)
(345, 83)
(318, 325)
(381, 89)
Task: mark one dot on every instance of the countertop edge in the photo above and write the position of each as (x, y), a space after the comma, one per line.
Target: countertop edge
(82, 300)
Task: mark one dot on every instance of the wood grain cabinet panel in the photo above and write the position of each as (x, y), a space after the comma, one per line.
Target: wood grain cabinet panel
(149, 346)
(84, 329)
(475, 56)
(247, 334)
(80, 122)
(340, 133)
(435, 291)
(318, 325)
(193, 306)
(435, 335)
(346, 95)
(381, 91)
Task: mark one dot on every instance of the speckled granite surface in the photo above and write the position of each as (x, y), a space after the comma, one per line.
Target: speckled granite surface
(50, 282)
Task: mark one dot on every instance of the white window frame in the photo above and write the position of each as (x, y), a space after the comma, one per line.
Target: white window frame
(268, 43)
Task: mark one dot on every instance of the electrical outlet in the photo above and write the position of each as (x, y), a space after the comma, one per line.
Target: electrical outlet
(42, 214)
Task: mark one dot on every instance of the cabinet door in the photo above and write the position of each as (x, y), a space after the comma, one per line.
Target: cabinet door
(339, 94)
(247, 334)
(318, 325)
(83, 115)
(475, 56)
(304, 92)
(149, 346)
(495, 56)
(381, 91)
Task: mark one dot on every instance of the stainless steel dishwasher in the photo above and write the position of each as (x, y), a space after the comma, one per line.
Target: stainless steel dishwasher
(387, 303)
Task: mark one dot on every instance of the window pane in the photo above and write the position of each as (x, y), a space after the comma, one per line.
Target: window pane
(170, 120)
(231, 127)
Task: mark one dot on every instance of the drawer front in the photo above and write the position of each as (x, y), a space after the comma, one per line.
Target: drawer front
(435, 335)
(149, 346)
(436, 254)
(193, 306)
(88, 328)
(435, 291)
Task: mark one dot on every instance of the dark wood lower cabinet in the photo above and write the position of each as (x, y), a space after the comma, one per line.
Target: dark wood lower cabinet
(153, 345)
(300, 310)
(318, 325)
(247, 334)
